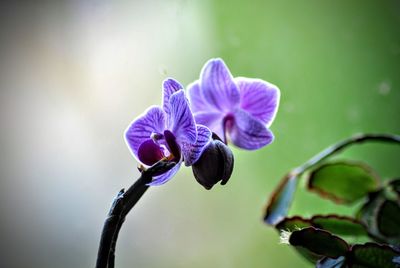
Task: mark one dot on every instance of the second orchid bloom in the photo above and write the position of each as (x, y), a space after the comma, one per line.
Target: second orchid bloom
(235, 109)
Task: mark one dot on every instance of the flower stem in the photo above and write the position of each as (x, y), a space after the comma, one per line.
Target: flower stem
(336, 148)
(120, 207)
(281, 199)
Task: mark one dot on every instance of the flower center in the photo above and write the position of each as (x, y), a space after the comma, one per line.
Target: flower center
(150, 152)
(159, 146)
(227, 125)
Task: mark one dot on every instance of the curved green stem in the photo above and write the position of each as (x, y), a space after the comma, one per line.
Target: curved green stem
(340, 146)
(281, 199)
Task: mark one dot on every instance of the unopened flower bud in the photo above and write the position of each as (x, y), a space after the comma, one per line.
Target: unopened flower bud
(215, 164)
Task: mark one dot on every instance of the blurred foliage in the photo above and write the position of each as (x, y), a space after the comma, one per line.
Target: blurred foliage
(318, 238)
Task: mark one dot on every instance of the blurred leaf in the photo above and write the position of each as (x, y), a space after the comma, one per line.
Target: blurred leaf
(395, 186)
(331, 263)
(388, 219)
(278, 206)
(381, 216)
(293, 224)
(367, 213)
(339, 225)
(319, 242)
(343, 182)
(309, 255)
(371, 255)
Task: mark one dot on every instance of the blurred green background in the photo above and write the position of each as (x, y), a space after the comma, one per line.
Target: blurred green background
(73, 74)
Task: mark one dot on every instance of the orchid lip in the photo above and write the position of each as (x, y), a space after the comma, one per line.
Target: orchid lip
(150, 152)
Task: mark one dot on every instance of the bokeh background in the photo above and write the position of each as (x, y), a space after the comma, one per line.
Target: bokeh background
(74, 74)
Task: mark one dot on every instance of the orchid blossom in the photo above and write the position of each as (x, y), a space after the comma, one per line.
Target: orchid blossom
(239, 109)
(168, 133)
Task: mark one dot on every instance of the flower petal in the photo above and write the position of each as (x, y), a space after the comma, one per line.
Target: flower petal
(259, 98)
(181, 120)
(196, 98)
(218, 86)
(150, 152)
(249, 133)
(192, 152)
(152, 121)
(170, 86)
(213, 120)
(163, 178)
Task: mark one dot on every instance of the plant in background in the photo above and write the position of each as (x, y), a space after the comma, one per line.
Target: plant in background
(236, 109)
(325, 240)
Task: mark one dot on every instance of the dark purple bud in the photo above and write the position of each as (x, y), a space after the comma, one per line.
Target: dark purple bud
(215, 164)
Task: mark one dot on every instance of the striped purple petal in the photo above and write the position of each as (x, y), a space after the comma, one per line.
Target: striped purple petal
(247, 132)
(213, 120)
(140, 130)
(259, 98)
(163, 178)
(192, 152)
(170, 86)
(218, 86)
(196, 98)
(181, 121)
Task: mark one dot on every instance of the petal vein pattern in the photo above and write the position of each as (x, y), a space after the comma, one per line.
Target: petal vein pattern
(218, 86)
(182, 122)
(192, 152)
(140, 130)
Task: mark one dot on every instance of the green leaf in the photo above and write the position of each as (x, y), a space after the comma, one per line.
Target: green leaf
(293, 224)
(372, 255)
(340, 225)
(343, 182)
(278, 206)
(367, 213)
(319, 242)
(382, 218)
(388, 219)
(395, 186)
(309, 255)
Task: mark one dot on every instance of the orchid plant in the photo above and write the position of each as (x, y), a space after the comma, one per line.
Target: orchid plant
(239, 109)
(370, 238)
(195, 126)
(194, 131)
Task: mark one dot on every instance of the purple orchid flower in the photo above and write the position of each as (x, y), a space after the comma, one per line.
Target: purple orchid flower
(168, 133)
(241, 109)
